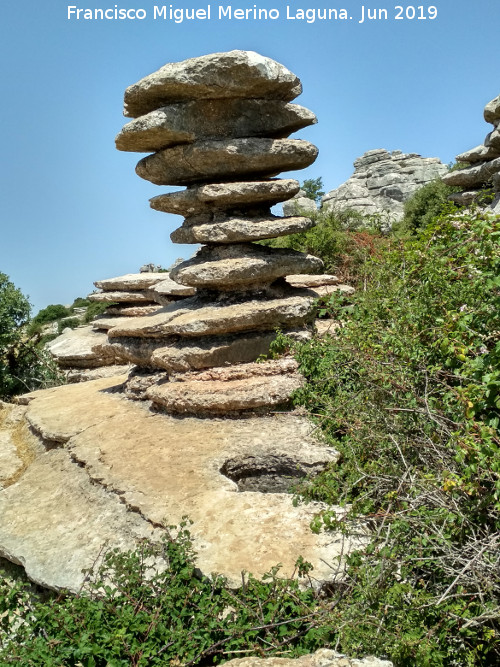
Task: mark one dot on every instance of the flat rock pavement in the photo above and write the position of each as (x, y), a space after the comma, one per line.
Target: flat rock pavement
(112, 471)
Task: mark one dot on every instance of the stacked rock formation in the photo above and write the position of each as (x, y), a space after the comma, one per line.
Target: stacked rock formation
(383, 181)
(135, 294)
(482, 177)
(85, 353)
(219, 125)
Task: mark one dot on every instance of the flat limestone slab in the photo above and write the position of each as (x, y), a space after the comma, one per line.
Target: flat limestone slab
(56, 522)
(239, 229)
(322, 658)
(212, 119)
(228, 159)
(131, 281)
(132, 296)
(124, 470)
(211, 197)
(238, 266)
(218, 75)
(197, 317)
(82, 348)
(474, 175)
(225, 390)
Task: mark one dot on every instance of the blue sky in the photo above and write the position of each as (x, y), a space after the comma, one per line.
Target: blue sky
(73, 210)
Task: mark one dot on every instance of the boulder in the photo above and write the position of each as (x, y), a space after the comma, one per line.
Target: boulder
(185, 355)
(305, 280)
(299, 204)
(239, 229)
(131, 311)
(240, 266)
(214, 197)
(227, 158)
(212, 119)
(492, 110)
(240, 74)
(382, 182)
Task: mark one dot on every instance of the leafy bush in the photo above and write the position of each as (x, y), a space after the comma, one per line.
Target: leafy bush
(342, 239)
(68, 323)
(51, 314)
(408, 391)
(128, 615)
(95, 309)
(24, 366)
(425, 204)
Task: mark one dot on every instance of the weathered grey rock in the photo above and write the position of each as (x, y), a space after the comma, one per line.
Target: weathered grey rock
(325, 327)
(321, 658)
(225, 229)
(120, 297)
(241, 266)
(492, 140)
(304, 280)
(492, 110)
(88, 374)
(478, 154)
(382, 182)
(229, 158)
(210, 351)
(327, 290)
(215, 197)
(131, 281)
(202, 317)
(82, 348)
(131, 311)
(212, 119)
(168, 288)
(475, 175)
(466, 198)
(239, 388)
(218, 75)
(299, 204)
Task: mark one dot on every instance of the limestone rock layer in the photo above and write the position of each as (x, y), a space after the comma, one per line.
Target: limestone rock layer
(480, 176)
(219, 125)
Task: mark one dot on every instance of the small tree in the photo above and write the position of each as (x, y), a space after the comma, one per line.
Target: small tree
(312, 188)
(23, 366)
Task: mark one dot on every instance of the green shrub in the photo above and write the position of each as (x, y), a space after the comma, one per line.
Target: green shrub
(408, 391)
(127, 615)
(425, 204)
(24, 365)
(51, 314)
(342, 239)
(68, 323)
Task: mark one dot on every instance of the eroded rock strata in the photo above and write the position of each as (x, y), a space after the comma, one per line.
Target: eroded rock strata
(480, 178)
(220, 126)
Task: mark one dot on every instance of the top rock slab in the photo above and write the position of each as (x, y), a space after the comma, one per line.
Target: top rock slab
(218, 75)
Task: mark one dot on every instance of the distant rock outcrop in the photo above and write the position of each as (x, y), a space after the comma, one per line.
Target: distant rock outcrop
(482, 177)
(382, 182)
